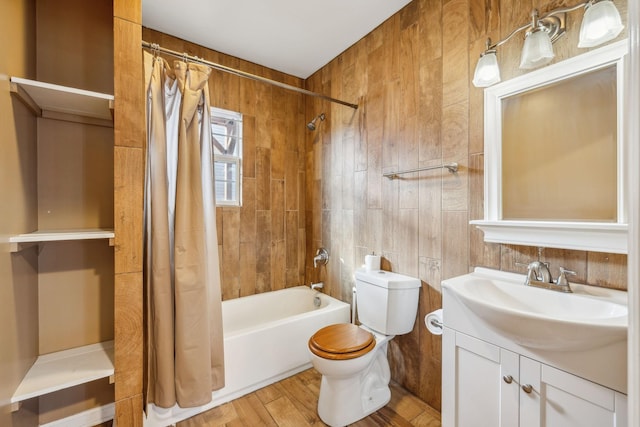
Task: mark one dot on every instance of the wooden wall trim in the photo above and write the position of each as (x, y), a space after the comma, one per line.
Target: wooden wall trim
(129, 143)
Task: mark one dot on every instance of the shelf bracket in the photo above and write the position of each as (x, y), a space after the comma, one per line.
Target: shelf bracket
(15, 406)
(26, 99)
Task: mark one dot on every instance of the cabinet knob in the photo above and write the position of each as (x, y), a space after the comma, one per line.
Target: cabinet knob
(508, 379)
(527, 388)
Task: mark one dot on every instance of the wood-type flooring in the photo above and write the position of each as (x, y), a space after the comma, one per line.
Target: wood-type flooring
(292, 403)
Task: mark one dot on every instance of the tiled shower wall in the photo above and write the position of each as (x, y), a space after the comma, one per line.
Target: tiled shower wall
(412, 80)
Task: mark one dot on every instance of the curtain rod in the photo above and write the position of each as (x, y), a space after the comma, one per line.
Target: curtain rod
(157, 48)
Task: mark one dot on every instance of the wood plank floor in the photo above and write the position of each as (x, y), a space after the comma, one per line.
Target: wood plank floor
(292, 403)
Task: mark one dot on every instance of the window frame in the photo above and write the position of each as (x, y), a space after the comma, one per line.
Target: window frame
(221, 113)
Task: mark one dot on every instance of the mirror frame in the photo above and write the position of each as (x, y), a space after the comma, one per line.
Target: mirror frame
(608, 237)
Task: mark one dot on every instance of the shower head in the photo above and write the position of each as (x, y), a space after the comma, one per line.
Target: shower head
(312, 124)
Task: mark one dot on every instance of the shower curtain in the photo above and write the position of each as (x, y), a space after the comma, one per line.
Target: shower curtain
(182, 273)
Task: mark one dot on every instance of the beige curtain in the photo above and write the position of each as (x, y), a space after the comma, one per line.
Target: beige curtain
(182, 274)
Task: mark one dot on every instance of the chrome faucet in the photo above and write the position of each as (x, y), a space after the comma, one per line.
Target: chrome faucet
(317, 301)
(539, 276)
(322, 257)
(538, 271)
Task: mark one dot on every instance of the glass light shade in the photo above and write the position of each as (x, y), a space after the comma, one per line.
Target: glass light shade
(537, 50)
(601, 23)
(487, 71)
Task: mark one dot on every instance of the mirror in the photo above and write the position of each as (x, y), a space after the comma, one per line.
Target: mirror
(554, 153)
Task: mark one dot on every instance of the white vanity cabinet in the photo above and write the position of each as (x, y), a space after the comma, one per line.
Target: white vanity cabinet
(486, 385)
(473, 392)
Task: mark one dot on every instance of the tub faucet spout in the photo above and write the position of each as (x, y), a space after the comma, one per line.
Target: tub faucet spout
(316, 286)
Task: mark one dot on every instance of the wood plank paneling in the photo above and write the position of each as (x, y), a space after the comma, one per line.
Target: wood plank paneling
(418, 107)
(129, 412)
(248, 146)
(129, 142)
(130, 10)
(248, 268)
(230, 265)
(430, 111)
(128, 211)
(608, 270)
(129, 112)
(128, 335)
(248, 211)
(455, 41)
(263, 251)
(430, 208)
(263, 178)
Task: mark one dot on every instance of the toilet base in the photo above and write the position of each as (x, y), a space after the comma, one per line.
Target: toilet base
(343, 401)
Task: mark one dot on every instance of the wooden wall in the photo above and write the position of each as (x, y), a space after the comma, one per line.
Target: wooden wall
(412, 79)
(261, 243)
(129, 142)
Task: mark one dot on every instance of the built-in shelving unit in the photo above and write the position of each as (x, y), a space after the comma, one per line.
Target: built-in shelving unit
(60, 139)
(64, 103)
(75, 366)
(64, 369)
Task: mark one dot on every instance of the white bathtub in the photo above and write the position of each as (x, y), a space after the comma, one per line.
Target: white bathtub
(265, 340)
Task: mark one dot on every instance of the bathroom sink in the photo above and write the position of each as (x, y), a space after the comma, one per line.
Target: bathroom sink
(589, 317)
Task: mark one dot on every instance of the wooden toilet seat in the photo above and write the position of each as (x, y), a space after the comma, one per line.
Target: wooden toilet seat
(341, 342)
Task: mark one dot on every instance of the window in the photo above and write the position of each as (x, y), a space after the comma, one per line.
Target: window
(226, 133)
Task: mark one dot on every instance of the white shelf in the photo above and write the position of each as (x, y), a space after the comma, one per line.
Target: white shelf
(64, 369)
(21, 241)
(582, 236)
(64, 103)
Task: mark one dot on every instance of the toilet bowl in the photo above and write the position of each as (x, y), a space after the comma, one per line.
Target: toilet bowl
(355, 372)
(353, 359)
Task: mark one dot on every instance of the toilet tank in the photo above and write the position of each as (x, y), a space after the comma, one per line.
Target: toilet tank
(387, 302)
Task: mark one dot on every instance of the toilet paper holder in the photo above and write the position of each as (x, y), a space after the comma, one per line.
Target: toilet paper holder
(436, 323)
(433, 322)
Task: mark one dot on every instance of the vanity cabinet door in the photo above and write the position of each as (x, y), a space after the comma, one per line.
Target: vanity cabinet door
(479, 383)
(550, 397)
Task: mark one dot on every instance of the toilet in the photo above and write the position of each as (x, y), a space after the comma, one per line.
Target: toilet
(353, 359)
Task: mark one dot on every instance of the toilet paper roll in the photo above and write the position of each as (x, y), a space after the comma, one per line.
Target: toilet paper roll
(433, 321)
(372, 262)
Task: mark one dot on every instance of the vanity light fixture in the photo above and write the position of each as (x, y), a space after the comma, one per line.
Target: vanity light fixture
(487, 71)
(601, 23)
